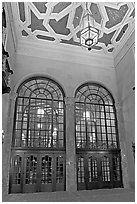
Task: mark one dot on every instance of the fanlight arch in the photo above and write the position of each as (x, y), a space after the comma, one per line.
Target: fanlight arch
(96, 123)
(39, 114)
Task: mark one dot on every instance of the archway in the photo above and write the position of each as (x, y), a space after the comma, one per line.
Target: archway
(97, 143)
(38, 145)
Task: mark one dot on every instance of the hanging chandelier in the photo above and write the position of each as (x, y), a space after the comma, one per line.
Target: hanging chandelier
(89, 35)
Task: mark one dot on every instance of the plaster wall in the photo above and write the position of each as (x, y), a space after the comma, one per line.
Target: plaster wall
(125, 73)
(69, 75)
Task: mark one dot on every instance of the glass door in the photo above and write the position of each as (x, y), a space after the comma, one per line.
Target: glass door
(93, 179)
(106, 178)
(31, 173)
(81, 174)
(46, 172)
(98, 170)
(59, 172)
(37, 172)
(16, 173)
(52, 172)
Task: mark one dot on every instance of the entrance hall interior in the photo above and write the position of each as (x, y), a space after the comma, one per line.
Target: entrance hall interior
(68, 99)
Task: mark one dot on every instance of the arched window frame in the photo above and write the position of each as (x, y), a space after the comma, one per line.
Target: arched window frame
(93, 91)
(54, 97)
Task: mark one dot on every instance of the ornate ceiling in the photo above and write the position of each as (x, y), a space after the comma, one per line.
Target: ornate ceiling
(59, 22)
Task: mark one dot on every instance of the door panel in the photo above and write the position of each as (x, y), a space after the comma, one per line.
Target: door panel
(106, 180)
(81, 172)
(116, 171)
(37, 172)
(98, 170)
(60, 172)
(46, 173)
(93, 172)
(16, 173)
(31, 172)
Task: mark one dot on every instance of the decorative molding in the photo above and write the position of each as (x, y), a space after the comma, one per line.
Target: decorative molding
(60, 23)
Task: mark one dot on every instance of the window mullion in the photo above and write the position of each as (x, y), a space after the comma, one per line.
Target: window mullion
(116, 127)
(52, 121)
(96, 128)
(28, 119)
(86, 127)
(15, 122)
(105, 125)
(100, 126)
(22, 122)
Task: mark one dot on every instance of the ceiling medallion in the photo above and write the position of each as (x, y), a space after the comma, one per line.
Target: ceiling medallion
(89, 35)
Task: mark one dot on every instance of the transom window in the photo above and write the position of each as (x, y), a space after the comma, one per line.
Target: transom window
(96, 126)
(39, 114)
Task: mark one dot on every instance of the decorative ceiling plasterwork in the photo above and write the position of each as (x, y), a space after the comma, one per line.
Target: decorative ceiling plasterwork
(59, 22)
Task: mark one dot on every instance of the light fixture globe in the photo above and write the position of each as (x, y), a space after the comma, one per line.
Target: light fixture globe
(89, 35)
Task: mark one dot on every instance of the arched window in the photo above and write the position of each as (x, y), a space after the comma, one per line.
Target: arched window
(39, 115)
(96, 126)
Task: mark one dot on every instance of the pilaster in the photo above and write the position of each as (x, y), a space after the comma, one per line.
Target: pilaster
(71, 181)
(6, 147)
(121, 128)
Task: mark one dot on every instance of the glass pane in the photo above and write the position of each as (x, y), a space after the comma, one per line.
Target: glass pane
(59, 169)
(40, 114)
(116, 168)
(31, 170)
(92, 169)
(105, 168)
(16, 173)
(95, 118)
(46, 169)
(81, 178)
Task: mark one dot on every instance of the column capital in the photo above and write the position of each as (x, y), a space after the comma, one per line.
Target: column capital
(13, 96)
(69, 101)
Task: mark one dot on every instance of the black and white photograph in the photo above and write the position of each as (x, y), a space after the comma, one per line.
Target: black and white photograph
(68, 101)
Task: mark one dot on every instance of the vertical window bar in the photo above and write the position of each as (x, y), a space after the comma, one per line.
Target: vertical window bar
(28, 125)
(87, 146)
(52, 125)
(64, 122)
(105, 125)
(95, 117)
(15, 120)
(100, 127)
(116, 127)
(22, 121)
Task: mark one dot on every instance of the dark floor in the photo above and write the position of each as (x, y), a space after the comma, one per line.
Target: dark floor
(103, 195)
